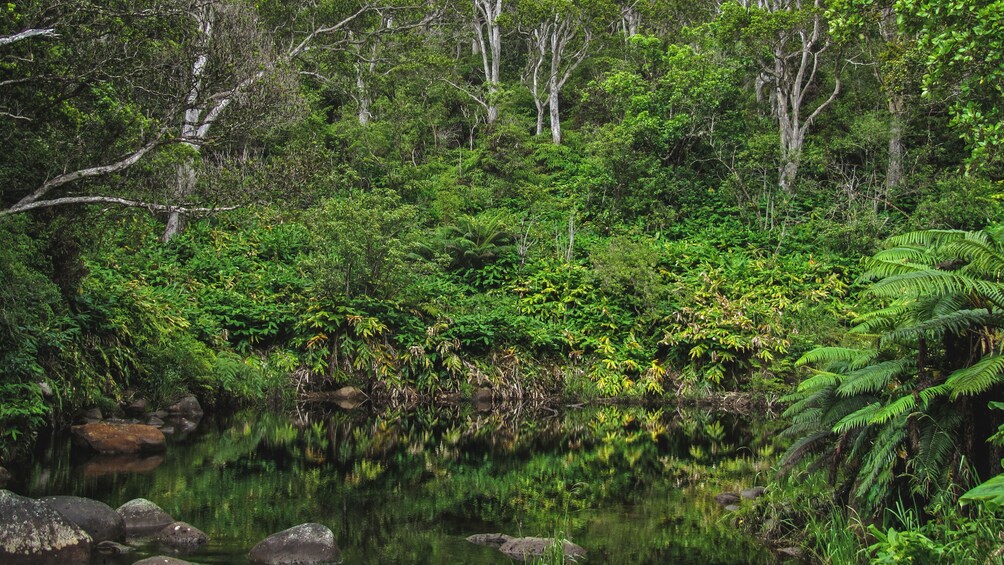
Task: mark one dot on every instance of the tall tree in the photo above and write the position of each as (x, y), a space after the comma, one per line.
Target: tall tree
(558, 38)
(787, 40)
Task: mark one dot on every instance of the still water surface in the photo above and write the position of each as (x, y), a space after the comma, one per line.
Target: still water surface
(631, 485)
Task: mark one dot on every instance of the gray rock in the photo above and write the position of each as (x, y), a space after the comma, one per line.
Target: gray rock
(187, 407)
(181, 536)
(160, 414)
(93, 414)
(112, 548)
(726, 498)
(143, 518)
(161, 560)
(96, 518)
(527, 549)
(167, 430)
(752, 493)
(303, 544)
(491, 540)
(348, 397)
(137, 407)
(155, 422)
(732, 507)
(32, 533)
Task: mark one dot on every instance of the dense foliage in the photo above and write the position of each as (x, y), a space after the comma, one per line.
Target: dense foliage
(257, 200)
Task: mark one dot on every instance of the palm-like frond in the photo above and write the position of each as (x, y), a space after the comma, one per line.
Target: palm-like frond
(872, 378)
(979, 377)
(853, 358)
(858, 418)
(926, 238)
(936, 283)
(956, 323)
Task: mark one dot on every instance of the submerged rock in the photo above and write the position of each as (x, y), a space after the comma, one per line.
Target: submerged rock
(303, 544)
(112, 548)
(534, 548)
(161, 560)
(33, 533)
(102, 465)
(181, 536)
(119, 438)
(137, 407)
(99, 520)
(143, 518)
(752, 493)
(726, 498)
(187, 407)
(491, 540)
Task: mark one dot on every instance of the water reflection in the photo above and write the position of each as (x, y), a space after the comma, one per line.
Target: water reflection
(630, 484)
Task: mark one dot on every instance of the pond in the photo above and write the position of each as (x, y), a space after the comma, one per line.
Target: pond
(629, 484)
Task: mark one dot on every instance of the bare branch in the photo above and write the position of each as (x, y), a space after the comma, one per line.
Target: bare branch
(27, 34)
(18, 208)
(100, 170)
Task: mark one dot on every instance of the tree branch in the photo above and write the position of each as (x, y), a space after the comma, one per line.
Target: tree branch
(18, 208)
(100, 170)
(27, 34)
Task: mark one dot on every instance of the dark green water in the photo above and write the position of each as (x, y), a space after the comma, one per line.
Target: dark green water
(631, 485)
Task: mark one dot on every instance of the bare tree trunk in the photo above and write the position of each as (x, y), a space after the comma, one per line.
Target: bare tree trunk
(488, 32)
(792, 74)
(552, 103)
(894, 169)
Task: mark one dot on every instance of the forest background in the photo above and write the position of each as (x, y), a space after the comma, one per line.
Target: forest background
(652, 200)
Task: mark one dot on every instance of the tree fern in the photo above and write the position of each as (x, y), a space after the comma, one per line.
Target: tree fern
(893, 413)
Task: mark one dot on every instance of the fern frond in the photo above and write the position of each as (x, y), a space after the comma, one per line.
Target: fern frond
(820, 379)
(857, 419)
(830, 355)
(926, 238)
(802, 447)
(872, 378)
(935, 283)
(937, 444)
(953, 323)
(895, 409)
(979, 377)
(982, 260)
(876, 473)
(881, 320)
(932, 392)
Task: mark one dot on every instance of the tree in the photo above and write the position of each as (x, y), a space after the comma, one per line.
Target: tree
(786, 40)
(964, 43)
(558, 40)
(907, 413)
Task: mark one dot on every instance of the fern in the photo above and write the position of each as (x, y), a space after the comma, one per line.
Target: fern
(872, 378)
(858, 418)
(983, 375)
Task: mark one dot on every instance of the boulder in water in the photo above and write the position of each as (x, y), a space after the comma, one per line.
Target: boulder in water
(527, 549)
(119, 438)
(491, 540)
(161, 560)
(726, 498)
(96, 518)
(32, 533)
(182, 537)
(143, 518)
(187, 407)
(303, 544)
